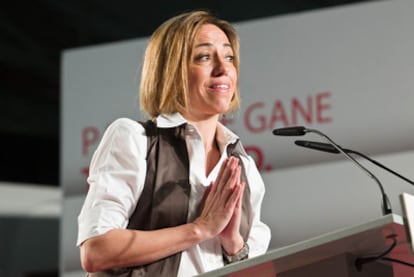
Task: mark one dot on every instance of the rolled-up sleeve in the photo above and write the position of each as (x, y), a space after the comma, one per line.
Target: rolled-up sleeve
(116, 179)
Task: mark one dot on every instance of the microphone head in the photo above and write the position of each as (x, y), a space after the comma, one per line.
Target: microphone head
(290, 131)
(317, 146)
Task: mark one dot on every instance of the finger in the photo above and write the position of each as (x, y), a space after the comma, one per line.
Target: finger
(228, 171)
(239, 203)
(233, 198)
(222, 171)
(216, 197)
(234, 177)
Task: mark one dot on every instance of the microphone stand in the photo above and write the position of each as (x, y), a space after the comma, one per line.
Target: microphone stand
(379, 164)
(327, 147)
(386, 209)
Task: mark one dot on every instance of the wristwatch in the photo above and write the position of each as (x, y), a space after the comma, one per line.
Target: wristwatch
(241, 255)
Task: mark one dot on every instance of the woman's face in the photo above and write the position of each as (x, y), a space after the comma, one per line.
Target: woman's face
(212, 76)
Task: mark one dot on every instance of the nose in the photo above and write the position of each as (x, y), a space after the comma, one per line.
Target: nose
(220, 66)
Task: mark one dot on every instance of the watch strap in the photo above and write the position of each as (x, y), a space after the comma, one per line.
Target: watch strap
(242, 254)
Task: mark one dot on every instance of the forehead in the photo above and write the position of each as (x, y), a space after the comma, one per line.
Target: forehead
(211, 33)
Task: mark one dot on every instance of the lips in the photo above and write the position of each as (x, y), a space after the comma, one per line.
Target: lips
(219, 86)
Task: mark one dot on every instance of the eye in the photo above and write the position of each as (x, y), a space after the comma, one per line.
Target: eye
(202, 57)
(230, 58)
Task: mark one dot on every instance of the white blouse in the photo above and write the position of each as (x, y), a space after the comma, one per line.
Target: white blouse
(117, 176)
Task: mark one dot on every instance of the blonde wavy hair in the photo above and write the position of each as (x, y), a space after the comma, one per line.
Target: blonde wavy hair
(164, 76)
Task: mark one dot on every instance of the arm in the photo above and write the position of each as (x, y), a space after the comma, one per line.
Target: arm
(115, 188)
(124, 247)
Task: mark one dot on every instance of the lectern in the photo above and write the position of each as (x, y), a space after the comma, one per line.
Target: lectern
(331, 254)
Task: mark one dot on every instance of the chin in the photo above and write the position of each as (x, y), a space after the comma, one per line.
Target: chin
(222, 111)
(223, 108)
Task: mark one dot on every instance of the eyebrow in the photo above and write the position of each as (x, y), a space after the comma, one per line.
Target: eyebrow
(209, 44)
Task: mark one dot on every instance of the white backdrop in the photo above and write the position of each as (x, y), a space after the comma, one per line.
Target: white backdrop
(346, 71)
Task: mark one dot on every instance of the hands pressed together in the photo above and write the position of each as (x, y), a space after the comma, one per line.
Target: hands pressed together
(221, 212)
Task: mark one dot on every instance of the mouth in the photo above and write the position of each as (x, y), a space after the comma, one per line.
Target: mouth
(220, 86)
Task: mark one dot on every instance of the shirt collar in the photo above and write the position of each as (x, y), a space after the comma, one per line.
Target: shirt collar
(224, 135)
(170, 120)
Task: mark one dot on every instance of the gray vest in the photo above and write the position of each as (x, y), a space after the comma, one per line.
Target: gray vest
(164, 200)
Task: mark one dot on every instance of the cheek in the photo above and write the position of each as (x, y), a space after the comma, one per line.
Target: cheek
(195, 79)
(233, 74)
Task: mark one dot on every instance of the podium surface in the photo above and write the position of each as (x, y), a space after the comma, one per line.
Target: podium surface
(367, 239)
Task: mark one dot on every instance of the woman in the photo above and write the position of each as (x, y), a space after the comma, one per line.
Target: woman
(177, 195)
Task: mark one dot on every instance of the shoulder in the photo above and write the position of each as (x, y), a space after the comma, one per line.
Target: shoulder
(124, 131)
(125, 124)
(123, 139)
(125, 127)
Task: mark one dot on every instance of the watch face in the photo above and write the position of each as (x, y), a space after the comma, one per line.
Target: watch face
(241, 255)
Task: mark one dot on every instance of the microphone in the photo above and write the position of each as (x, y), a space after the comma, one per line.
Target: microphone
(318, 146)
(290, 131)
(330, 149)
(300, 131)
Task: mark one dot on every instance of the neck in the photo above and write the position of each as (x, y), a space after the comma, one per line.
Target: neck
(207, 128)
